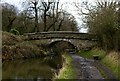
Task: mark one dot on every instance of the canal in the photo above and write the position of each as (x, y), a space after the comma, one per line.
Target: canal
(35, 68)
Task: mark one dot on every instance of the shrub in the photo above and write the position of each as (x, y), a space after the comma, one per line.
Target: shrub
(14, 31)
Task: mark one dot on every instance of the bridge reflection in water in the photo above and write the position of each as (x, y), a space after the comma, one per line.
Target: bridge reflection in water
(27, 69)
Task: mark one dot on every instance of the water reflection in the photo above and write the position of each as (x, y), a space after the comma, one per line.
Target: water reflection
(27, 69)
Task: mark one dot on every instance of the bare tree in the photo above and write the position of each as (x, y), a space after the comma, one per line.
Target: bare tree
(33, 8)
(50, 14)
(46, 7)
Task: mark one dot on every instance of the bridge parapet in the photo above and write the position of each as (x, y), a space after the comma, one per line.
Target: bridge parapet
(67, 35)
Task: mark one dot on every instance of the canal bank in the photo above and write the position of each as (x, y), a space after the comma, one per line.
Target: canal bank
(68, 71)
(23, 59)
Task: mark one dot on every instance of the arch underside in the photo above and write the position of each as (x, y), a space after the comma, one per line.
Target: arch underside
(62, 40)
(79, 44)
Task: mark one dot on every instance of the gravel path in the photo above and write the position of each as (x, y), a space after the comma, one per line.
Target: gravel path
(85, 68)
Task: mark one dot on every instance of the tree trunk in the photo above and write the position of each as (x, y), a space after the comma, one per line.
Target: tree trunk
(36, 18)
(10, 23)
(45, 26)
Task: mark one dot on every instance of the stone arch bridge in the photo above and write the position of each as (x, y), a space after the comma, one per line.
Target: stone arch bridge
(79, 40)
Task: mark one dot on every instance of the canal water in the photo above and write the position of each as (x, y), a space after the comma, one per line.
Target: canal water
(35, 68)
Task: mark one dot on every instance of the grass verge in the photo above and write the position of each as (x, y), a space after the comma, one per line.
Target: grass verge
(68, 71)
(110, 60)
(90, 53)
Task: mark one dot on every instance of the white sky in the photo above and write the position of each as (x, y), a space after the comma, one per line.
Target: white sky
(70, 8)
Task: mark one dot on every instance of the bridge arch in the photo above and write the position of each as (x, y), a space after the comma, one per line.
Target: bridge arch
(55, 41)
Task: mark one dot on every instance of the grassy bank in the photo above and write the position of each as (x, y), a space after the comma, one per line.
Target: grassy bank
(17, 47)
(68, 71)
(112, 62)
(109, 60)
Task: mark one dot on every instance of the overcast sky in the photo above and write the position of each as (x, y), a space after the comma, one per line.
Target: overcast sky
(70, 8)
